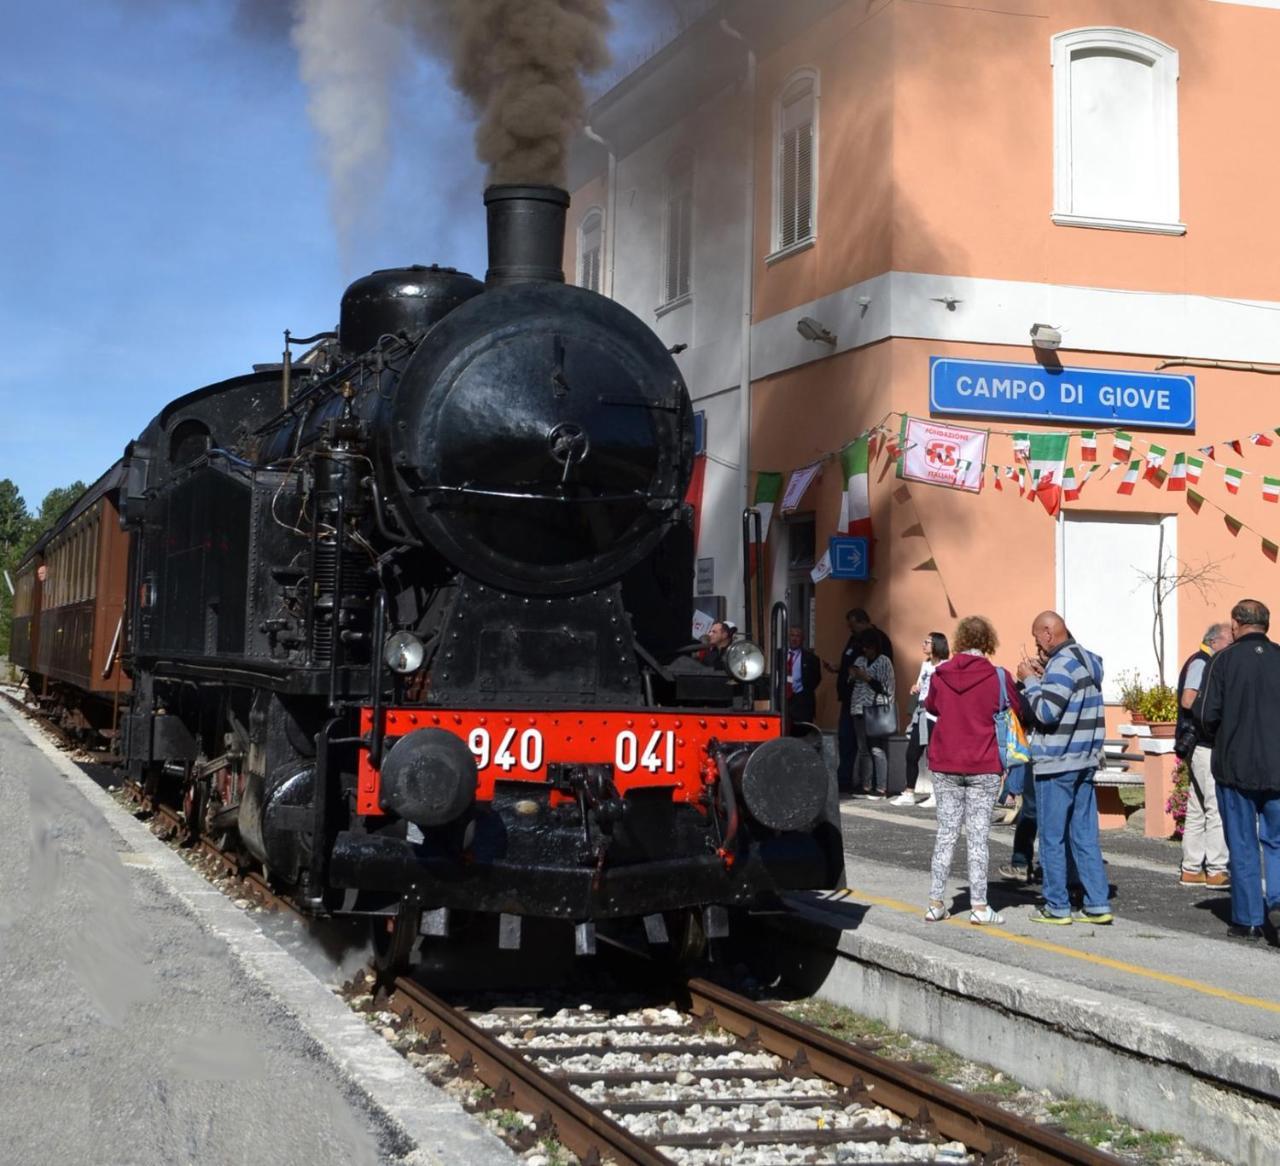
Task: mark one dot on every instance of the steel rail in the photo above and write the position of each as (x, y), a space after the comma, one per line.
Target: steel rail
(982, 1126)
(516, 1083)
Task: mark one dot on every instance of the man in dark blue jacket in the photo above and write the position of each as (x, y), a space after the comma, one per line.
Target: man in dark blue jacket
(1242, 695)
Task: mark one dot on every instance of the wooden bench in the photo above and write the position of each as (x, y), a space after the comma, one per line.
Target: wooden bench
(1108, 781)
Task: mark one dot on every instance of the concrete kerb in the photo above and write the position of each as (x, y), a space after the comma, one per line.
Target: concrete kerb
(435, 1124)
(1217, 1089)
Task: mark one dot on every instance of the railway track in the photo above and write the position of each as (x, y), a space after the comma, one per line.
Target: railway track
(715, 1078)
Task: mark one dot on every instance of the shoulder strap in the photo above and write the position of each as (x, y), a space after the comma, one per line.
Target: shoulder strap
(1004, 695)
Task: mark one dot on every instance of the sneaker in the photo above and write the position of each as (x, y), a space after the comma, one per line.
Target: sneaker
(905, 798)
(928, 803)
(1041, 915)
(1193, 878)
(1099, 917)
(1014, 873)
(1219, 878)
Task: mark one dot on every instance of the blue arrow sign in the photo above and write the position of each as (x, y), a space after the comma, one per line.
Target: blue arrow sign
(850, 557)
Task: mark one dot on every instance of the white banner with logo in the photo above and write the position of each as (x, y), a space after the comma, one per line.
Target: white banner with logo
(943, 455)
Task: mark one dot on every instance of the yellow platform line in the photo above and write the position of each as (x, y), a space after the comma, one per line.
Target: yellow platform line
(1058, 949)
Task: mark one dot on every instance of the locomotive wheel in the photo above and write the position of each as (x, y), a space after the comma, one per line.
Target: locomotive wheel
(688, 939)
(393, 940)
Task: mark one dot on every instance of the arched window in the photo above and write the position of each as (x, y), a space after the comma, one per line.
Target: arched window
(1115, 134)
(678, 230)
(591, 250)
(795, 162)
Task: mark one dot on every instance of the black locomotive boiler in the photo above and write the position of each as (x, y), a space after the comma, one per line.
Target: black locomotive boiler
(410, 616)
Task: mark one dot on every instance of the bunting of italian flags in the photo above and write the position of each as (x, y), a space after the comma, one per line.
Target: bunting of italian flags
(1046, 459)
(1178, 475)
(1123, 443)
(1130, 478)
(1271, 489)
(768, 489)
(1194, 466)
(1070, 487)
(1089, 445)
(855, 505)
(1260, 439)
(1232, 478)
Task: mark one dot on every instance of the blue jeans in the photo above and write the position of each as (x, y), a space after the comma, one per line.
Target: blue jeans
(1250, 817)
(1068, 809)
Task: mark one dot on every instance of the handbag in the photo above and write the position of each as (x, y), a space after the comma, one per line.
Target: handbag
(880, 718)
(1011, 738)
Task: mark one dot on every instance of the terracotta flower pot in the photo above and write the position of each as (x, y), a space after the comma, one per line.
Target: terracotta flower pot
(1162, 729)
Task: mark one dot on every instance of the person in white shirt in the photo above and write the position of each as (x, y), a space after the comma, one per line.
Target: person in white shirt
(919, 783)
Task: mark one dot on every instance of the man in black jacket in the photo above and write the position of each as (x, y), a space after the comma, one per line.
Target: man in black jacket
(804, 674)
(1242, 695)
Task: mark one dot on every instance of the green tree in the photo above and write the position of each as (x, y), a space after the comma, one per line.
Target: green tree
(55, 502)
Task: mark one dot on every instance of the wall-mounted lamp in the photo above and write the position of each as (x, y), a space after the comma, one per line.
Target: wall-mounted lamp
(1046, 336)
(810, 329)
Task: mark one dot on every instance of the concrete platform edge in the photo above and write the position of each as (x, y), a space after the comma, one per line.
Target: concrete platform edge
(438, 1128)
(1216, 1089)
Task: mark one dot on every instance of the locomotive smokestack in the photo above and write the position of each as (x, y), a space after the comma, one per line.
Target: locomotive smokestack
(526, 234)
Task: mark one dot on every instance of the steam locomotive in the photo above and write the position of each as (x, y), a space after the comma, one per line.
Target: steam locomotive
(410, 618)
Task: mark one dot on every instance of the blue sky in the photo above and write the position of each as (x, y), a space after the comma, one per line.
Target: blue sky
(164, 215)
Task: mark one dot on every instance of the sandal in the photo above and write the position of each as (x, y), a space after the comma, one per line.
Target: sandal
(985, 916)
(936, 913)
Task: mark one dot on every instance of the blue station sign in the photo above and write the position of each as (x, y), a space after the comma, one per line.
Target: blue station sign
(1103, 397)
(850, 557)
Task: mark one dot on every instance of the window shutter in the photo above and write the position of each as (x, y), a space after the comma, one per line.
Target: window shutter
(795, 164)
(591, 247)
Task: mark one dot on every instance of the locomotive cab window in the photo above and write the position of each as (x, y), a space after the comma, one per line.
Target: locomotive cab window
(189, 440)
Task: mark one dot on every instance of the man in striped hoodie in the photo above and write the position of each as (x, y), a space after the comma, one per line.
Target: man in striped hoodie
(1066, 731)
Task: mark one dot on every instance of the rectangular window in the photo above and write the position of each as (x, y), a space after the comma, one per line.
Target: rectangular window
(679, 232)
(590, 251)
(795, 166)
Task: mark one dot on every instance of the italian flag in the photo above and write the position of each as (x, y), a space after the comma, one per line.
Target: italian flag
(1155, 460)
(1089, 445)
(855, 505)
(1046, 459)
(1123, 443)
(1260, 439)
(1233, 477)
(1130, 478)
(1178, 475)
(1070, 487)
(1271, 489)
(768, 488)
(1194, 466)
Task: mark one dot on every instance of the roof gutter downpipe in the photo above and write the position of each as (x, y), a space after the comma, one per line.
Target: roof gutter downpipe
(748, 293)
(610, 213)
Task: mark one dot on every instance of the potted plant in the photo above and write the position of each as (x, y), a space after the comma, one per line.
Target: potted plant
(1131, 694)
(1159, 705)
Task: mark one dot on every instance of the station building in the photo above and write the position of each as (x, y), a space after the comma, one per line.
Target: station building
(850, 212)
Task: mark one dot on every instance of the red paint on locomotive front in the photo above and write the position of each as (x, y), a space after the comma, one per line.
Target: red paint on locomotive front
(646, 748)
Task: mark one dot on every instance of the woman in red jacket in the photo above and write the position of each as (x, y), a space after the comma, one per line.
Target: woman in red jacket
(965, 759)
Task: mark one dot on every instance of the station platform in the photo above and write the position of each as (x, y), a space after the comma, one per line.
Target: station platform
(145, 1019)
(1158, 1016)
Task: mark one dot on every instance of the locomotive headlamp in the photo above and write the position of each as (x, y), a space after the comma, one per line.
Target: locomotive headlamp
(744, 661)
(404, 653)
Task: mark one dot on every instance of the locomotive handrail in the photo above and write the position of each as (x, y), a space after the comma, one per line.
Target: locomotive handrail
(780, 622)
(664, 503)
(750, 527)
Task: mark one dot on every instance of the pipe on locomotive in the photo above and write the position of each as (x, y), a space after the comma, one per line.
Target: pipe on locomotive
(526, 234)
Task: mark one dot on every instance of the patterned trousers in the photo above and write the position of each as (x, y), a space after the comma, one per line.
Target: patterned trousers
(963, 799)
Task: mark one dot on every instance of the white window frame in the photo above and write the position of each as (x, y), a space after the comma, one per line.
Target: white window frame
(1163, 61)
(680, 173)
(813, 77)
(592, 212)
